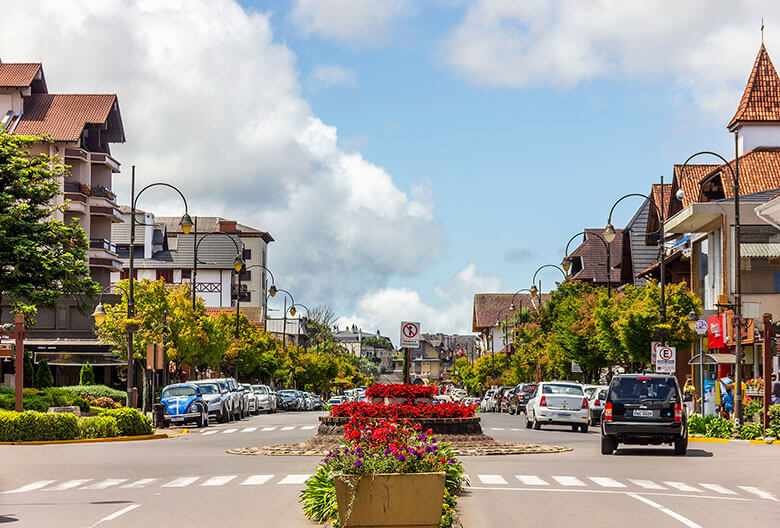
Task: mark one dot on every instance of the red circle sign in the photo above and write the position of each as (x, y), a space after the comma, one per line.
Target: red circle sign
(409, 330)
(665, 353)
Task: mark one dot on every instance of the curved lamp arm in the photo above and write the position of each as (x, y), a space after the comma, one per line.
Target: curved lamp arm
(567, 259)
(186, 221)
(238, 262)
(273, 281)
(308, 314)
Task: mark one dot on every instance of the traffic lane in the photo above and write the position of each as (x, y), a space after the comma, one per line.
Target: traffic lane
(511, 428)
(64, 513)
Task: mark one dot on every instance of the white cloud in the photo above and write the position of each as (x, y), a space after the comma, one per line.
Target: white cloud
(211, 103)
(385, 308)
(333, 75)
(704, 46)
(350, 21)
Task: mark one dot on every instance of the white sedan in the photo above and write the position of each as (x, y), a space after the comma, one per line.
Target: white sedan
(558, 403)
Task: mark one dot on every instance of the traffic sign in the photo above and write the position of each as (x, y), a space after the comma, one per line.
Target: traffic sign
(701, 327)
(410, 334)
(665, 360)
(6, 349)
(575, 367)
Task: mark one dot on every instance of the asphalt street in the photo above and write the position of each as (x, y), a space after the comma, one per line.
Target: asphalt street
(191, 480)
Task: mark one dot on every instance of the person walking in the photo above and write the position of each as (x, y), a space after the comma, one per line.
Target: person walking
(775, 390)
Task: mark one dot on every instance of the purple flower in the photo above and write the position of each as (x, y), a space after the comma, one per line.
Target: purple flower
(358, 463)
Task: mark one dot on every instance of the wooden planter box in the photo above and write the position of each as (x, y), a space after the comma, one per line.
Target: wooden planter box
(408, 500)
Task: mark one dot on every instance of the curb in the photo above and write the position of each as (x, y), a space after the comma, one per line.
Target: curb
(91, 440)
(728, 441)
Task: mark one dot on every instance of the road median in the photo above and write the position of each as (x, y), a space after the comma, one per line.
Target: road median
(155, 436)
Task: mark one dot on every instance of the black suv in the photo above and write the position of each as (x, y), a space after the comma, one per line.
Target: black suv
(644, 409)
(520, 397)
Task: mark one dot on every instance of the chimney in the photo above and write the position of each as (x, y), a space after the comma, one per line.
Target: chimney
(148, 234)
(227, 226)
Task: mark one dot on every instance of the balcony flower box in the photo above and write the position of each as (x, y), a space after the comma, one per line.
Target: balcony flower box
(390, 499)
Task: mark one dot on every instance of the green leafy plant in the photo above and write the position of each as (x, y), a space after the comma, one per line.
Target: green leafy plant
(318, 498)
(86, 375)
(98, 427)
(131, 422)
(751, 431)
(97, 391)
(719, 427)
(43, 377)
(41, 400)
(697, 425)
(34, 426)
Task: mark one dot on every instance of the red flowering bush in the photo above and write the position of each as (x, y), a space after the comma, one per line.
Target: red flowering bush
(398, 390)
(367, 410)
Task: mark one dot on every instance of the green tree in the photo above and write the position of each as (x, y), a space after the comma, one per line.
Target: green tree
(43, 258)
(43, 377)
(29, 370)
(86, 375)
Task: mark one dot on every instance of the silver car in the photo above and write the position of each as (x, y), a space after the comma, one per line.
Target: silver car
(236, 403)
(266, 400)
(253, 406)
(217, 399)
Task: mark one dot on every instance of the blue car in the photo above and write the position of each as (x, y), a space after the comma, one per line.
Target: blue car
(184, 403)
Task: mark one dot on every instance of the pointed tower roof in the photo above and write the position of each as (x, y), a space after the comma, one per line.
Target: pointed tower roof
(761, 100)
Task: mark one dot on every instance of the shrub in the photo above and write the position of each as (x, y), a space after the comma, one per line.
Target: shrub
(28, 376)
(103, 402)
(34, 426)
(774, 421)
(43, 377)
(719, 427)
(86, 375)
(751, 431)
(98, 427)
(400, 390)
(131, 422)
(41, 400)
(753, 407)
(97, 391)
(403, 410)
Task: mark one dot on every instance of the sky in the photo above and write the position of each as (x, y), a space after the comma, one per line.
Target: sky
(405, 155)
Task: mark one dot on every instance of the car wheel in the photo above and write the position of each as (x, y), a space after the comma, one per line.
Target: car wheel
(607, 445)
(527, 422)
(594, 422)
(537, 423)
(584, 428)
(575, 427)
(201, 422)
(223, 415)
(681, 445)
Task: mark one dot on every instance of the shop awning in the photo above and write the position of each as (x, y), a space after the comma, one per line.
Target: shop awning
(756, 250)
(713, 359)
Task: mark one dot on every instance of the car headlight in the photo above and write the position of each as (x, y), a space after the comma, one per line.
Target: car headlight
(194, 407)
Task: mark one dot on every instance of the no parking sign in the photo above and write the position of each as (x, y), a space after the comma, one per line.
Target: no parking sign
(665, 359)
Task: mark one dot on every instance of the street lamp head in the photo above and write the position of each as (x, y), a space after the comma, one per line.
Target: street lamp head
(238, 263)
(534, 290)
(99, 314)
(566, 264)
(512, 308)
(272, 290)
(186, 224)
(292, 311)
(691, 319)
(609, 233)
(680, 194)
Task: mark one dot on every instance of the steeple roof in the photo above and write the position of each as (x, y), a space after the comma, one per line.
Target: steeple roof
(761, 100)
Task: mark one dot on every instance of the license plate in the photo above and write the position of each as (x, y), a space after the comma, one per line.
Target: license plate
(564, 415)
(643, 413)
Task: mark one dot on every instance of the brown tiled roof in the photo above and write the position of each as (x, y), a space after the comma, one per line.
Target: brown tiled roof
(18, 74)
(689, 183)
(209, 224)
(63, 116)
(761, 100)
(593, 255)
(489, 307)
(661, 197)
(759, 170)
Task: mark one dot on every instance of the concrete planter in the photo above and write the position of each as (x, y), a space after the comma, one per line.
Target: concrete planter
(404, 500)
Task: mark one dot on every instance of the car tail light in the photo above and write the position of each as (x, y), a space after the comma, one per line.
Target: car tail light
(597, 403)
(608, 412)
(584, 403)
(644, 378)
(677, 412)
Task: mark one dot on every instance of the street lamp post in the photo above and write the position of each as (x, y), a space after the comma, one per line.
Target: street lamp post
(506, 339)
(308, 314)
(273, 291)
(186, 227)
(567, 260)
(538, 291)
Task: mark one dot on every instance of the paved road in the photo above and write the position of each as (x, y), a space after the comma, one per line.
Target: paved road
(190, 480)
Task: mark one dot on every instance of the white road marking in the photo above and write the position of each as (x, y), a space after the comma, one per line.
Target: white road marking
(568, 481)
(307, 427)
(532, 480)
(288, 428)
(211, 432)
(686, 521)
(758, 492)
(682, 486)
(491, 479)
(248, 429)
(139, 483)
(68, 485)
(219, 481)
(32, 486)
(605, 482)
(116, 514)
(269, 429)
(611, 492)
(496, 428)
(103, 484)
(256, 480)
(647, 484)
(718, 489)
(294, 479)
(516, 430)
(228, 431)
(180, 482)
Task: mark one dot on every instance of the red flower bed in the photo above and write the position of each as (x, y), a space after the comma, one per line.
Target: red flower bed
(398, 390)
(403, 410)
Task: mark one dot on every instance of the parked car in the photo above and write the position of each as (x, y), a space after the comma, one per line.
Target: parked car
(317, 402)
(232, 398)
(266, 401)
(252, 401)
(596, 398)
(217, 399)
(336, 400)
(502, 398)
(243, 397)
(484, 405)
(288, 400)
(184, 403)
(644, 409)
(558, 403)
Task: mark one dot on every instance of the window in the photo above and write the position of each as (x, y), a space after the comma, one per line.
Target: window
(567, 390)
(633, 389)
(175, 392)
(246, 276)
(186, 274)
(165, 275)
(247, 254)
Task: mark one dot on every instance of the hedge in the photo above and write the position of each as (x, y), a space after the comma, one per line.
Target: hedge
(98, 427)
(131, 422)
(97, 391)
(34, 426)
(41, 400)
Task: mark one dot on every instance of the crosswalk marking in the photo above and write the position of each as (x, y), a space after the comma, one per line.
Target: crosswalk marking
(211, 432)
(568, 481)
(287, 428)
(491, 479)
(758, 492)
(682, 486)
(139, 483)
(717, 488)
(219, 481)
(532, 480)
(228, 431)
(647, 484)
(103, 484)
(68, 485)
(496, 428)
(32, 486)
(605, 482)
(248, 429)
(180, 482)
(308, 427)
(256, 480)
(269, 429)
(294, 479)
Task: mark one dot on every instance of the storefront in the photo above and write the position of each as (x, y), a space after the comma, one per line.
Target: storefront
(707, 368)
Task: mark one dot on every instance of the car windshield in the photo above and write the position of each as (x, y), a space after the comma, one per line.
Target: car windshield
(208, 388)
(603, 394)
(529, 388)
(643, 388)
(177, 392)
(589, 391)
(259, 389)
(247, 386)
(222, 385)
(287, 392)
(563, 390)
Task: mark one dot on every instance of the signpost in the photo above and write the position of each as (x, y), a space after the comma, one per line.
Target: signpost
(666, 359)
(410, 338)
(575, 367)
